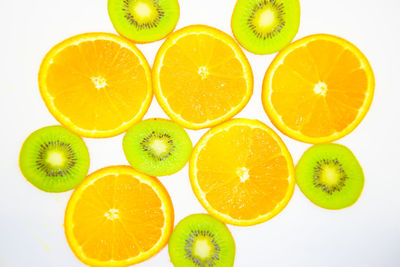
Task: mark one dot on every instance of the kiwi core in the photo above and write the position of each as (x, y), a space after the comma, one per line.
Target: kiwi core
(201, 248)
(143, 13)
(320, 89)
(55, 158)
(266, 19)
(158, 146)
(142, 10)
(329, 176)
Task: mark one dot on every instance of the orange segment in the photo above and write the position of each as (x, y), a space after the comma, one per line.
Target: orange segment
(118, 217)
(242, 172)
(318, 89)
(96, 84)
(201, 77)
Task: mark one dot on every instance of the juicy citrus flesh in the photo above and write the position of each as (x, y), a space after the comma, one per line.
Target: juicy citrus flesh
(118, 217)
(242, 172)
(318, 89)
(96, 84)
(201, 77)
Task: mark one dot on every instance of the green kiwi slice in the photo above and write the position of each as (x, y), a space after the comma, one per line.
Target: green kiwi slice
(157, 147)
(144, 21)
(265, 26)
(201, 240)
(330, 176)
(54, 159)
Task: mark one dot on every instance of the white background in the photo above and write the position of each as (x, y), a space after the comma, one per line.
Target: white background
(366, 234)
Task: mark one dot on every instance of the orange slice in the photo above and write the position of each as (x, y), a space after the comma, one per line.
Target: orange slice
(118, 217)
(201, 77)
(96, 84)
(318, 89)
(242, 172)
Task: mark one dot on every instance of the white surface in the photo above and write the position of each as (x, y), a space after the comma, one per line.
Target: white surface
(366, 234)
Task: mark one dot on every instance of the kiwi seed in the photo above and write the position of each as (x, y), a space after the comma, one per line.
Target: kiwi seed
(157, 147)
(330, 176)
(54, 159)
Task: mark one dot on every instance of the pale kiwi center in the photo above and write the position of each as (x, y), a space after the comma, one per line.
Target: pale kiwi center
(99, 82)
(203, 72)
(320, 89)
(159, 146)
(142, 10)
(329, 176)
(55, 158)
(266, 19)
(243, 174)
(202, 249)
(112, 214)
(143, 13)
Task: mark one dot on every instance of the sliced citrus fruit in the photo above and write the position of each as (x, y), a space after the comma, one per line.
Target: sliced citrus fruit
(118, 217)
(241, 172)
(318, 89)
(201, 77)
(96, 84)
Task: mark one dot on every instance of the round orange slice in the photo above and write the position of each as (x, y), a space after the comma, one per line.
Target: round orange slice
(96, 84)
(318, 89)
(118, 217)
(201, 77)
(242, 173)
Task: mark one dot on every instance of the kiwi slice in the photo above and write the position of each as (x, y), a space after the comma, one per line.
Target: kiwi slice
(144, 21)
(54, 159)
(330, 176)
(265, 26)
(157, 147)
(201, 240)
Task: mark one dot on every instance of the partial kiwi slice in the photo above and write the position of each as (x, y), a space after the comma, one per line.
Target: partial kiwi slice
(330, 176)
(157, 147)
(144, 21)
(54, 159)
(201, 240)
(265, 26)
